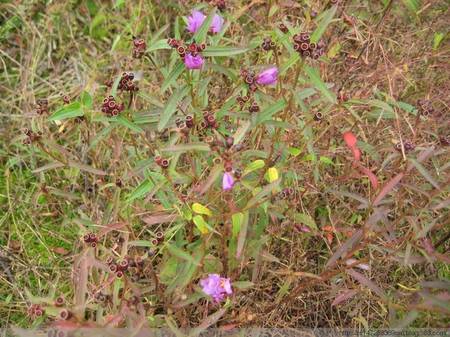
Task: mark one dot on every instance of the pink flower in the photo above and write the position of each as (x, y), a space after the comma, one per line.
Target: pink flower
(268, 76)
(196, 20)
(193, 62)
(217, 287)
(216, 24)
(227, 181)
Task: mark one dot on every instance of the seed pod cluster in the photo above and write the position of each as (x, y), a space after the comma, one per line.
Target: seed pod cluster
(110, 107)
(65, 314)
(101, 297)
(59, 301)
(91, 239)
(35, 310)
(306, 48)
(249, 77)
(408, 146)
(65, 98)
(183, 49)
(268, 44)
(209, 120)
(184, 124)
(42, 106)
(445, 140)
(161, 162)
(287, 193)
(139, 47)
(283, 28)
(220, 4)
(31, 136)
(118, 267)
(425, 107)
(127, 83)
(247, 101)
(318, 116)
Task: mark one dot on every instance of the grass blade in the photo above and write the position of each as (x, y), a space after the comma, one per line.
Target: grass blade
(171, 107)
(315, 79)
(69, 111)
(223, 51)
(200, 35)
(424, 172)
(267, 113)
(323, 25)
(187, 147)
(173, 76)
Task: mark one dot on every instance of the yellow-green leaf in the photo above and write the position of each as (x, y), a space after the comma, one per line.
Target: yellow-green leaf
(272, 174)
(201, 224)
(200, 209)
(253, 166)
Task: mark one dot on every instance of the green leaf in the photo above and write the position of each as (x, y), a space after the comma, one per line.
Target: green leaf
(173, 76)
(236, 219)
(200, 209)
(9, 26)
(86, 100)
(201, 224)
(326, 18)
(306, 220)
(437, 39)
(158, 45)
(187, 147)
(242, 285)
(261, 195)
(319, 84)
(253, 166)
(171, 107)
(289, 63)
(128, 124)
(140, 243)
(119, 3)
(272, 174)
(200, 35)
(424, 172)
(181, 254)
(267, 113)
(223, 51)
(241, 131)
(413, 5)
(68, 111)
(145, 187)
(243, 228)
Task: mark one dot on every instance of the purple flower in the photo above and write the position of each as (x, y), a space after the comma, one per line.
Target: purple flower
(193, 62)
(268, 76)
(216, 24)
(216, 287)
(227, 181)
(195, 21)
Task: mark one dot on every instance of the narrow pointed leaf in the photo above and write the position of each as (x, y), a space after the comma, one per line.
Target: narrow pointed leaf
(171, 107)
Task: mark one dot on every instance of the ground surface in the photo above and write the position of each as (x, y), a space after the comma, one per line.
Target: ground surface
(281, 248)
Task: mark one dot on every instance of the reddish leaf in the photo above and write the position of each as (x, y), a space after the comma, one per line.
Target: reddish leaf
(60, 251)
(344, 296)
(350, 139)
(388, 187)
(346, 246)
(159, 218)
(111, 227)
(356, 153)
(372, 177)
(366, 282)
